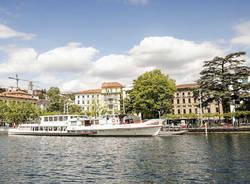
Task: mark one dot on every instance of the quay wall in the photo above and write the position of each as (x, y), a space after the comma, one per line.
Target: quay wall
(245, 129)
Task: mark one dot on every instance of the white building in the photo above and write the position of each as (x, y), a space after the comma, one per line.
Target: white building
(88, 99)
(108, 97)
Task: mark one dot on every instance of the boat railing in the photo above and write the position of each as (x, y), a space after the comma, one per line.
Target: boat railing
(171, 128)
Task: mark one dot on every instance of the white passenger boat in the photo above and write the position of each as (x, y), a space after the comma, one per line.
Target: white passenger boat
(73, 125)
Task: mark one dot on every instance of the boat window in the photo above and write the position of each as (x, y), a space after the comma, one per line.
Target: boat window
(65, 118)
(55, 118)
(60, 118)
(50, 118)
(71, 117)
(45, 118)
(75, 116)
(73, 123)
(87, 123)
(41, 128)
(97, 122)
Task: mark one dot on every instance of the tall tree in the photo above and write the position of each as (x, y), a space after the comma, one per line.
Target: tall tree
(22, 112)
(222, 80)
(56, 100)
(3, 112)
(153, 93)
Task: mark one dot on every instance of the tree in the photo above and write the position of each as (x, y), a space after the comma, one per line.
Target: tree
(222, 80)
(3, 112)
(2, 90)
(22, 112)
(75, 109)
(152, 94)
(56, 100)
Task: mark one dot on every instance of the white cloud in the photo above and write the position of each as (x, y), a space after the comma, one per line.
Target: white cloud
(6, 32)
(115, 66)
(181, 59)
(70, 58)
(19, 60)
(172, 55)
(243, 32)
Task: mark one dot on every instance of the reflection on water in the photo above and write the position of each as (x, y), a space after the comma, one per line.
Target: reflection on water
(222, 158)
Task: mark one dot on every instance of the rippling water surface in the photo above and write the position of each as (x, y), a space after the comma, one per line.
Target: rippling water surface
(221, 158)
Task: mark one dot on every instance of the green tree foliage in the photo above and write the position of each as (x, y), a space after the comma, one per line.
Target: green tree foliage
(56, 100)
(19, 112)
(153, 92)
(75, 109)
(2, 90)
(221, 80)
(3, 112)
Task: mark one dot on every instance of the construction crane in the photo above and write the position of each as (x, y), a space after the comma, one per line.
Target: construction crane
(18, 79)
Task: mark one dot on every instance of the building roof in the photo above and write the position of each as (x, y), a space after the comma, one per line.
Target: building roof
(187, 86)
(17, 94)
(111, 84)
(43, 101)
(89, 91)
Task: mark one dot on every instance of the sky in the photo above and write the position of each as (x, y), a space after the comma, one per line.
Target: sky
(77, 45)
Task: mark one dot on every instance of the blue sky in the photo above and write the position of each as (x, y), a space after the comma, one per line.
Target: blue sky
(78, 44)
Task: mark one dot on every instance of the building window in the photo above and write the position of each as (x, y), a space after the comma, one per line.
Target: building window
(87, 96)
(217, 109)
(83, 102)
(183, 94)
(78, 102)
(183, 100)
(92, 96)
(188, 93)
(196, 111)
(189, 100)
(184, 111)
(179, 111)
(190, 111)
(78, 96)
(178, 101)
(208, 110)
(177, 94)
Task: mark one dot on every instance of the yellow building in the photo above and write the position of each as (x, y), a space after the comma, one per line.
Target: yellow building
(17, 96)
(185, 103)
(112, 95)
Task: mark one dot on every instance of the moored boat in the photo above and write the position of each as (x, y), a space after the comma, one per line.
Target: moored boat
(75, 125)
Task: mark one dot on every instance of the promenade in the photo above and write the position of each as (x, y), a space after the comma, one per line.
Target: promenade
(222, 129)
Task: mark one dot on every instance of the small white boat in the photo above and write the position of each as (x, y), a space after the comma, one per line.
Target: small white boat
(73, 125)
(171, 130)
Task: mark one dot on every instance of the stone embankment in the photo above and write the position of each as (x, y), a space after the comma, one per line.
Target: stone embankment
(242, 129)
(4, 130)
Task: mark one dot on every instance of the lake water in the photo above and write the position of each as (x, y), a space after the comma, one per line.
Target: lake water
(218, 158)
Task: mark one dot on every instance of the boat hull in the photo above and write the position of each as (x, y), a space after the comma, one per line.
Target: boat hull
(118, 131)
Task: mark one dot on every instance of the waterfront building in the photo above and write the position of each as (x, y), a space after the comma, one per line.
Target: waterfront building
(88, 99)
(108, 97)
(17, 96)
(185, 103)
(112, 95)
